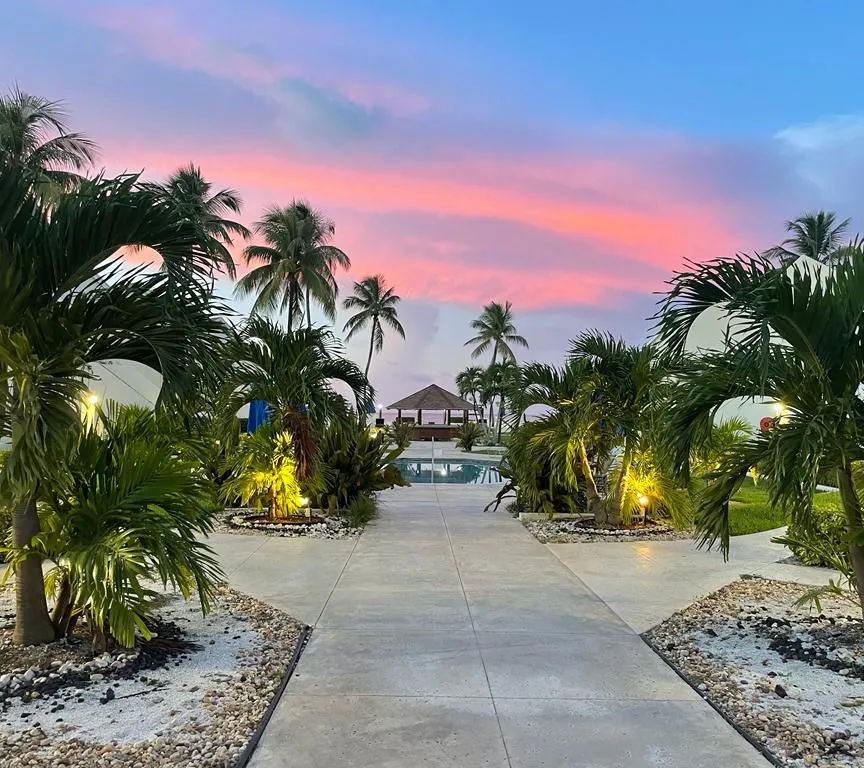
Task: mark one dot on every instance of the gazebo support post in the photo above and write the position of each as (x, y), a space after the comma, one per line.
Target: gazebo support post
(464, 417)
(419, 417)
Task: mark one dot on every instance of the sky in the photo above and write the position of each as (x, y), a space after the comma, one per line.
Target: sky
(565, 156)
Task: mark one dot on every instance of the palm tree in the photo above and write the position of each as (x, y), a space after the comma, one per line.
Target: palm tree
(495, 328)
(376, 304)
(192, 197)
(799, 340)
(629, 379)
(34, 139)
(501, 380)
(67, 302)
(299, 263)
(469, 382)
(293, 371)
(562, 437)
(815, 235)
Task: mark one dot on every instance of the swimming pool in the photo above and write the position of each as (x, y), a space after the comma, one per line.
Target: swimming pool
(448, 471)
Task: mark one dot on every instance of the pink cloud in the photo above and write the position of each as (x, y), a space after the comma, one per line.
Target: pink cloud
(626, 236)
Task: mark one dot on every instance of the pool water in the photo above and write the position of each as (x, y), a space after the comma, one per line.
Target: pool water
(447, 471)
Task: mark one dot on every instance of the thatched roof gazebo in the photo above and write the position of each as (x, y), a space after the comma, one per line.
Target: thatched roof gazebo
(433, 398)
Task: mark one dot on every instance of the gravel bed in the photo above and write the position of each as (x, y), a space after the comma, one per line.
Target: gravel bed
(792, 679)
(234, 521)
(192, 696)
(570, 531)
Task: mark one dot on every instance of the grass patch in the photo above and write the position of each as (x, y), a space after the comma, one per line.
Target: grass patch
(750, 511)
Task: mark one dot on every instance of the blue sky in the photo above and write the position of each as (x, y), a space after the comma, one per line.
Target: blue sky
(564, 156)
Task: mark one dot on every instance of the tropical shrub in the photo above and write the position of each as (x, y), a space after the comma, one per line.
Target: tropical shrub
(823, 541)
(536, 480)
(263, 471)
(66, 302)
(469, 435)
(361, 510)
(401, 433)
(352, 461)
(651, 490)
(126, 511)
(294, 371)
(799, 340)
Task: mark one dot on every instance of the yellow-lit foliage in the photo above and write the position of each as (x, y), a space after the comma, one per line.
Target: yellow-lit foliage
(264, 472)
(646, 485)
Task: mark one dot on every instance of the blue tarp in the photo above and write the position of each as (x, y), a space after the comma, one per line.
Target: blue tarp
(259, 413)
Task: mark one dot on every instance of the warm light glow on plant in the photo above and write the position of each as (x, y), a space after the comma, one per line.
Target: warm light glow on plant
(780, 408)
(92, 398)
(643, 501)
(303, 501)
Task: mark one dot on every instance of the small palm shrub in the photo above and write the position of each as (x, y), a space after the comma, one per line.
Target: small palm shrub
(352, 462)
(533, 478)
(469, 435)
(401, 433)
(127, 510)
(264, 471)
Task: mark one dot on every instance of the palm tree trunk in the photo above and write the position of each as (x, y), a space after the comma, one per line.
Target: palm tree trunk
(32, 623)
(291, 303)
(371, 350)
(308, 311)
(621, 482)
(500, 415)
(855, 524)
(592, 495)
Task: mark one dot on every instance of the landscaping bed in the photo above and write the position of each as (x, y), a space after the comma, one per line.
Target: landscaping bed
(193, 695)
(790, 679)
(569, 531)
(249, 522)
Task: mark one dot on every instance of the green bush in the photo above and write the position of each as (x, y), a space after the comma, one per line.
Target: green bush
(469, 435)
(352, 461)
(128, 512)
(401, 433)
(824, 543)
(361, 510)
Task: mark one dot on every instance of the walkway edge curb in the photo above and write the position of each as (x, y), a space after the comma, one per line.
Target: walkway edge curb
(252, 745)
(761, 748)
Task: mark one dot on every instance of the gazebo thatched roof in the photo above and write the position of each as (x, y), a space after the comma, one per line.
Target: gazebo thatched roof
(432, 398)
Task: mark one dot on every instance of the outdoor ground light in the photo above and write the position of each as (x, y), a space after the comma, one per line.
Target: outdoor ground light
(92, 398)
(643, 501)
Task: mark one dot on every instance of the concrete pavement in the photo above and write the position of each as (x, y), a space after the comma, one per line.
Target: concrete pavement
(446, 636)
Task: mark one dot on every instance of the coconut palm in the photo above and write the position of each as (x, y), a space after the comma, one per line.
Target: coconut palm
(814, 235)
(299, 263)
(500, 381)
(194, 200)
(799, 340)
(34, 139)
(293, 371)
(66, 301)
(376, 305)
(495, 329)
(469, 382)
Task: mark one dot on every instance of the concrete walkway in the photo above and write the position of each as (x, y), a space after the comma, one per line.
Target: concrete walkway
(448, 637)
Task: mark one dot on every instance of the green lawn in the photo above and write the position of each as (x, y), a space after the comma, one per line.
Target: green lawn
(750, 512)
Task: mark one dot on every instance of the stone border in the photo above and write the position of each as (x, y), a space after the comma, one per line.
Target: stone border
(252, 744)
